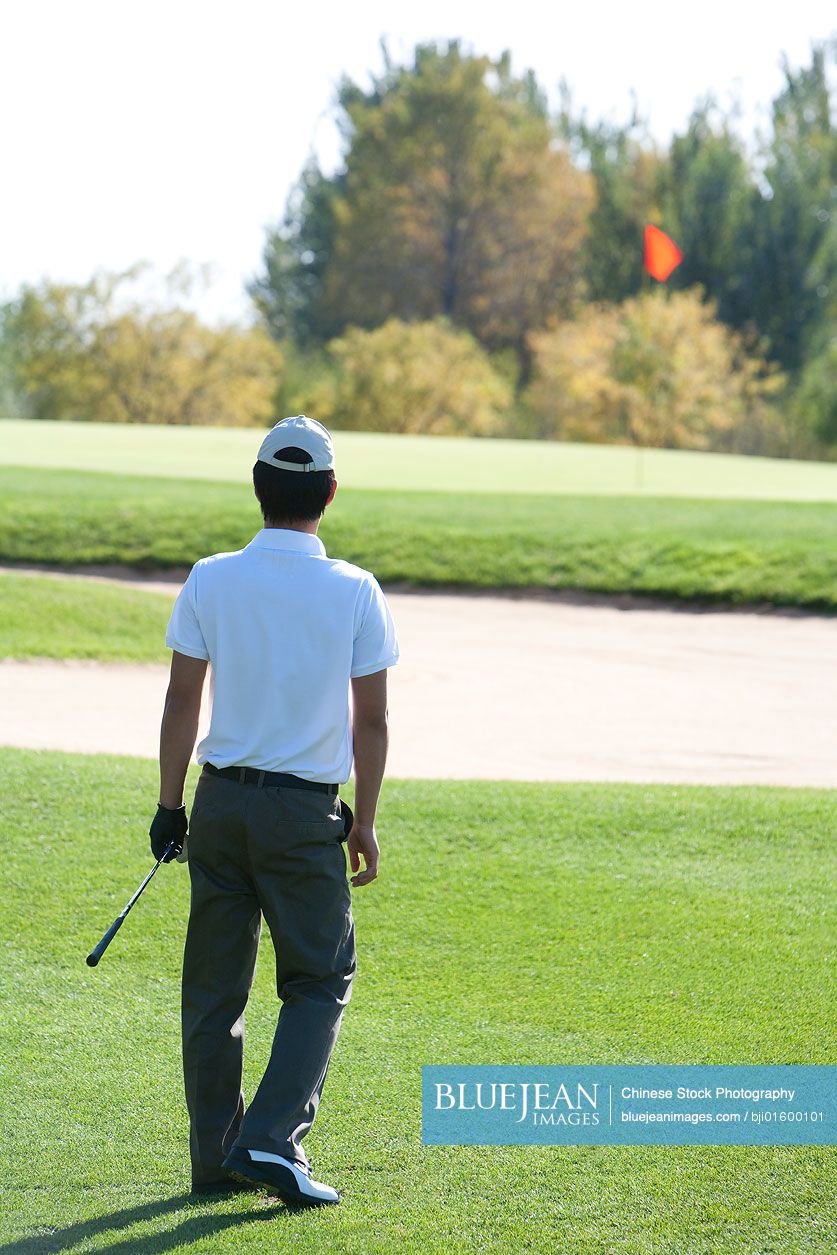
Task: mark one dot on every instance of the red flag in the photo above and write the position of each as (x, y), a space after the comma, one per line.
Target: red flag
(661, 254)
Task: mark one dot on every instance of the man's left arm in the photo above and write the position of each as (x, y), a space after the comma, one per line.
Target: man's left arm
(179, 729)
(178, 732)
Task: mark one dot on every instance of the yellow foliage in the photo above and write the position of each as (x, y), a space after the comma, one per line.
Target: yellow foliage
(74, 355)
(414, 377)
(170, 368)
(658, 370)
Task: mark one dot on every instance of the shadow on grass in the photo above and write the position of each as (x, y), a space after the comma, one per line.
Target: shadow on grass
(188, 1230)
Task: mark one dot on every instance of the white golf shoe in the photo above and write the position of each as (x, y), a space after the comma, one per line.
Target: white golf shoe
(290, 1181)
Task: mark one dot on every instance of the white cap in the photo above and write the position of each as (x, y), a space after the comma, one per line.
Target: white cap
(302, 433)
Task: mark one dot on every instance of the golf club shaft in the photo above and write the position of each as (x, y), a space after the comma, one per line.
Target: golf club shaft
(94, 955)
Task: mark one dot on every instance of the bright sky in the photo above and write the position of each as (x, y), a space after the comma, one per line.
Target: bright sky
(171, 129)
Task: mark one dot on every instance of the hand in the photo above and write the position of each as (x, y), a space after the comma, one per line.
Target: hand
(362, 840)
(167, 826)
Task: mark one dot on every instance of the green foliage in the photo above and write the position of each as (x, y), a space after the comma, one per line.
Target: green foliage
(658, 370)
(91, 352)
(11, 402)
(742, 552)
(794, 238)
(627, 174)
(511, 923)
(815, 401)
(709, 203)
(288, 293)
(425, 377)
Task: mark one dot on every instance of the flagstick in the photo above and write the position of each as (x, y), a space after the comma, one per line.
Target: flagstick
(639, 478)
(646, 286)
(661, 256)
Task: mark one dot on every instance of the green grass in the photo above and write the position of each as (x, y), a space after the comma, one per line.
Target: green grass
(512, 923)
(95, 621)
(422, 463)
(740, 552)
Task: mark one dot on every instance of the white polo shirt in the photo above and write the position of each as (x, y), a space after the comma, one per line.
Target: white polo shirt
(285, 627)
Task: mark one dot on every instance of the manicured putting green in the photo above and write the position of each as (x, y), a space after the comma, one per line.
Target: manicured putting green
(512, 923)
(409, 463)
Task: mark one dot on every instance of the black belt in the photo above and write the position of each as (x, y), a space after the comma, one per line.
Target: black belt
(268, 779)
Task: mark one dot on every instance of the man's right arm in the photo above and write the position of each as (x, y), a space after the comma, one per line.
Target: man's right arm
(370, 736)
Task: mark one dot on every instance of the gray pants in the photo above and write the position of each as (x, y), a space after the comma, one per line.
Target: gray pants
(274, 852)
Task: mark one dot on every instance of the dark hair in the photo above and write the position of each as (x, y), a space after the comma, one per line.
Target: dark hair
(291, 496)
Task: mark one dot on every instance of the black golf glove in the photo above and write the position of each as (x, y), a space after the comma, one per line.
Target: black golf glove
(168, 826)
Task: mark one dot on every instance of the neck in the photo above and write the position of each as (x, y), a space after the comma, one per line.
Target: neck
(297, 526)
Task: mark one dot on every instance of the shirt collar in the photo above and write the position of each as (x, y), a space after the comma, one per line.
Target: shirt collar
(289, 539)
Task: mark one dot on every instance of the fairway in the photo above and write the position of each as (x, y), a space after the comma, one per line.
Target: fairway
(416, 463)
(582, 924)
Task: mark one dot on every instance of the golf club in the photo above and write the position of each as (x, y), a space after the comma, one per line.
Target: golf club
(94, 955)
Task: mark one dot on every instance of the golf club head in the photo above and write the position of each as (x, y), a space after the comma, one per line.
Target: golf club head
(94, 955)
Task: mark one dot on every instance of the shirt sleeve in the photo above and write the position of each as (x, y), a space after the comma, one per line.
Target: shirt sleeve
(375, 642)
(184, 630)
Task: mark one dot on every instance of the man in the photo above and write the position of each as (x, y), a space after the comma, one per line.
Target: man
(287, 631)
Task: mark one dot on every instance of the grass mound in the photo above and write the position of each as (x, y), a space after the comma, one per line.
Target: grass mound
(738, 552)
(44, 616)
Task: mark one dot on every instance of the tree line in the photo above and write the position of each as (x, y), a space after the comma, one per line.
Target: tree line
(475, 266)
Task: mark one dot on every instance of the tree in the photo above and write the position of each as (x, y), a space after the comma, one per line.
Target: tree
(168, 367)
(814, 402)
(48, 334)
(628, 175)
(455, 202)
(710, 200)
(794, 247)
(90, 352)
(573, 395)
(659, 370)
(288, 293)
(11, 402)
(426, 377)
